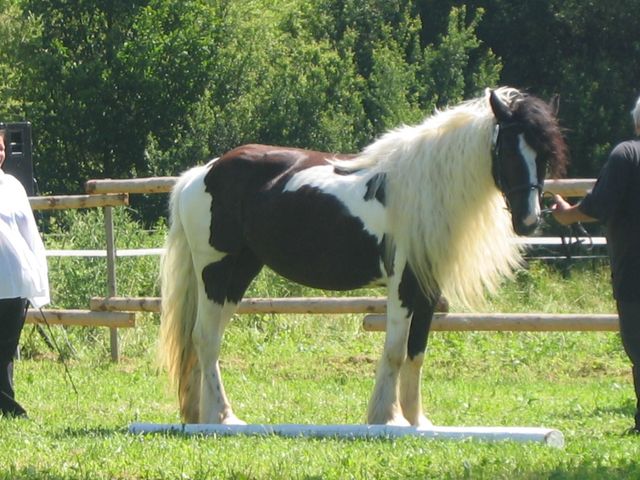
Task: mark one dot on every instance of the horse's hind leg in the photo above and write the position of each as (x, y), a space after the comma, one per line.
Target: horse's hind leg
(214, 407)
(223, 285)
(190, 393)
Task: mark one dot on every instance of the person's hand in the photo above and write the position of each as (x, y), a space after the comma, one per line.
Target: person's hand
(559, 204)
(561, 209)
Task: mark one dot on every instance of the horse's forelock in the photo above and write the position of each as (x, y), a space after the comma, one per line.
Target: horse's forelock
(543, 130)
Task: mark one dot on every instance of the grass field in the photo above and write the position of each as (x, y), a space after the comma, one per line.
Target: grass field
(319, 370)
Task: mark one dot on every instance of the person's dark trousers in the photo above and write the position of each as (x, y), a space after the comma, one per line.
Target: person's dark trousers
(629, 313)
(12, 316)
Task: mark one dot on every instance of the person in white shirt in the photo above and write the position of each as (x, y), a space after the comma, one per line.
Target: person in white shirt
(23, 277)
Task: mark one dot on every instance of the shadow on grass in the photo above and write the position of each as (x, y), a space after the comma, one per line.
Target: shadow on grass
(591, 472)
(579, 472)
(89, 432)
(627, 409)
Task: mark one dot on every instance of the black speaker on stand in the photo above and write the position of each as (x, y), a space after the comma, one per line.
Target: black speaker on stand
(18, 156)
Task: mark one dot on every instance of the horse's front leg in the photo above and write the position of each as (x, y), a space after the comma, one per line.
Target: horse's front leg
(423, 307)
(384, 406)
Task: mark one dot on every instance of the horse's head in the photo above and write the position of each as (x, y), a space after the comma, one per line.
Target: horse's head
(527, 140)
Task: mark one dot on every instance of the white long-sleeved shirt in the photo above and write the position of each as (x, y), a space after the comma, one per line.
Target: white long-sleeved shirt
(23, 264)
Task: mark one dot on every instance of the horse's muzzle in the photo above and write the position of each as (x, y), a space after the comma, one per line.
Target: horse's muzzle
(527, 225)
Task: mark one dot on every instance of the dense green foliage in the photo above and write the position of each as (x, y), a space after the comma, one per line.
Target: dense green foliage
(132, 89)
(124, 89)
(584, 50)
(150, 87)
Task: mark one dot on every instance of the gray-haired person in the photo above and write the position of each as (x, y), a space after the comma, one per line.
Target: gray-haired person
(615, 201)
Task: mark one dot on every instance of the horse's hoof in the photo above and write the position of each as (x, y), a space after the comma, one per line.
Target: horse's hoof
(423, 422)
(232, 420)
(398, 421)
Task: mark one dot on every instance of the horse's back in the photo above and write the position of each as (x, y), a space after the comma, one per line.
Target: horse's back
(254, 166)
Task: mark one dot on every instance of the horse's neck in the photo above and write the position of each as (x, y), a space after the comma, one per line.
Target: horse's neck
(447, 214)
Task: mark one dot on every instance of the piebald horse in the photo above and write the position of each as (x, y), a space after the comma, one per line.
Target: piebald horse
(426, 210)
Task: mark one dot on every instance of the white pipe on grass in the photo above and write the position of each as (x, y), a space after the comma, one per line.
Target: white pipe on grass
(550, 437)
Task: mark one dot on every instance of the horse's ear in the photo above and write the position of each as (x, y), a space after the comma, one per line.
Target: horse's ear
(500, 109)
(554, 104)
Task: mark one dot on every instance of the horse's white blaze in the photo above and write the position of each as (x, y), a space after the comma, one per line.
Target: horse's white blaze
(348, 189)
(529, 155)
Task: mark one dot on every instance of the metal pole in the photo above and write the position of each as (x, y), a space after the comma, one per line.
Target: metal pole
(111, 274)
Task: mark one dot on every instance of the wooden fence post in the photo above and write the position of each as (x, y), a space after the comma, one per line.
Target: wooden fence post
(111, 275)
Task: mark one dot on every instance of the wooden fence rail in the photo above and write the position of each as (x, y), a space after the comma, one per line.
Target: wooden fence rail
(509, 322)
(375, 307)
(62, 202)
(320, 305)
(85, 318)
(135, 185)
(574, 187)
(300, 305)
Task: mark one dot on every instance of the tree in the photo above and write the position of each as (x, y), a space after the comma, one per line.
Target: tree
(144, 87)
(100, 77)
(585, 51)
(403, 77)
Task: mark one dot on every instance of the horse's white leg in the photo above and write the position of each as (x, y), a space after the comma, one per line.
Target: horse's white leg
(207, 337)
(222, 278)
(221, 286)
(410, 391)
(384, 406)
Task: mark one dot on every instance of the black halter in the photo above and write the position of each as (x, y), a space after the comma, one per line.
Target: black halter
(496, 162)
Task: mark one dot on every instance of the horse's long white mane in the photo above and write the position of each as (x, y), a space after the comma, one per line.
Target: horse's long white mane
(443, 207)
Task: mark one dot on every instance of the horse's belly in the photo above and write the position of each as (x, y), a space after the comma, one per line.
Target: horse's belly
(325, 268)
(316, 247)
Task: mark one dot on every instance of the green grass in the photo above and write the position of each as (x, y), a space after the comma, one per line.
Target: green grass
(320, 369)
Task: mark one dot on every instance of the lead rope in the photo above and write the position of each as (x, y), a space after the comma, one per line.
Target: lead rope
(575, 231)
(61, 356)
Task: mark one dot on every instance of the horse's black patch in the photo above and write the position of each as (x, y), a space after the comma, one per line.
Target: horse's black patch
(387, 249)
(228, 279)
(421, 308)
(343, 171)
(376, 188)
(310, 237)
(306, 235)
(228, 182)
(407, 289)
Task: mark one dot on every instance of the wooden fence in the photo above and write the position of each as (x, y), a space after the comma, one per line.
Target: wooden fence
(118, 312)
(375, 320)
(113, 320)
